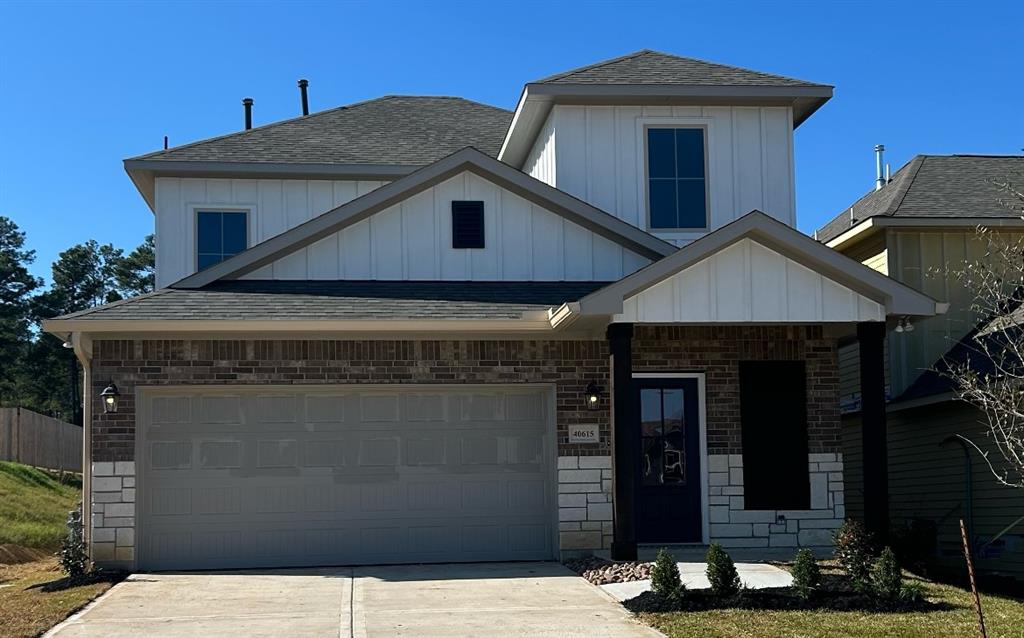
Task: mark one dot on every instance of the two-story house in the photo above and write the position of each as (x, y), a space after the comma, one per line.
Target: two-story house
(421, 329)
(919, 227)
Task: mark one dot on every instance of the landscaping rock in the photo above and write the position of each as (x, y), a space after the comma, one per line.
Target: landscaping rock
(602, 572)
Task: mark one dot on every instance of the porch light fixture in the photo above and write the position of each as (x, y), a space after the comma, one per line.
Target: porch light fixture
(904, 325)
(109, 397)
(593, 393)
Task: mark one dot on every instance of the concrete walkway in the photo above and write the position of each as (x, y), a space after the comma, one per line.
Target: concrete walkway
(693, 575)
(493, 599)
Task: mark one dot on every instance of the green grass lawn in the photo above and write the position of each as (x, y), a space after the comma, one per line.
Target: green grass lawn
(34, 507)
(1004, 618)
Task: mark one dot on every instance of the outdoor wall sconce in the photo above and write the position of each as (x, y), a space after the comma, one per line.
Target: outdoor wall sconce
(109, 396)
(593, 393)
(904, 326)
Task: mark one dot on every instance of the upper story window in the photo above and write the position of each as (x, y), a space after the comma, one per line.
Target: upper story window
(220, 235)
(676, 179)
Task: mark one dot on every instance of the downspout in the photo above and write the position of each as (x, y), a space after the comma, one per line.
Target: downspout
(82, 345)
(968, 486)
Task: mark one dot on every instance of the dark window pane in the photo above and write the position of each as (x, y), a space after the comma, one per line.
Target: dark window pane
(673, 402)
(206, 260)
(661, 152)
(692, 204)
(773, 420)
(234, 233)
(663, 203)
(689, 152)
(650, 468)
(208, 233)
(650, 411)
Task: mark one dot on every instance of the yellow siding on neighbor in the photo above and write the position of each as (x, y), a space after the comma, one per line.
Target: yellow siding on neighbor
(927, 480)
(917, 259)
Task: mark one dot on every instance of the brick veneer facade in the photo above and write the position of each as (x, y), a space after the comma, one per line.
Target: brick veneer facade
(717, 352)
(584, 475)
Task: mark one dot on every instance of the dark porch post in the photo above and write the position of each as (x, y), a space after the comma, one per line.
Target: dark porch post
(871, 337)
(620, 337)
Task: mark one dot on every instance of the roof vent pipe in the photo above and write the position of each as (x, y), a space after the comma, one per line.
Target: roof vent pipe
(887, 178)
(879, 163)
(247, 103)
(303, 84)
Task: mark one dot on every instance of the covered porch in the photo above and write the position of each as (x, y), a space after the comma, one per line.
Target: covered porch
(724, 392)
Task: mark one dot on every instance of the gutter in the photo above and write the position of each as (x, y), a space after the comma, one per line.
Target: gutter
(82, 346)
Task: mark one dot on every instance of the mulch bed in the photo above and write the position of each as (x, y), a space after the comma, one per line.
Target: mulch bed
(602, 572)
(775, 599)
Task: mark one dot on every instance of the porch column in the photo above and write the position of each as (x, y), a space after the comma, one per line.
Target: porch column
(620, 336)
(871, 338)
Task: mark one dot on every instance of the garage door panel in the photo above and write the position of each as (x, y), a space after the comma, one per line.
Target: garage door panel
(278, 477)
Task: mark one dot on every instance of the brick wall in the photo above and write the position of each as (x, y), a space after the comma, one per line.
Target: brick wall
(569, 365)
(717, 351)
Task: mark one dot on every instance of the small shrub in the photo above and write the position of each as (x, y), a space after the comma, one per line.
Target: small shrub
(665, 579)
(806, 574)
(886, 579)
(912, 592)
(74, 560)
(853, 551)
(722, 575)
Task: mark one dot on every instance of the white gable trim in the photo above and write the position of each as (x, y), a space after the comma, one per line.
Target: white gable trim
(894, 297)
(748, 282)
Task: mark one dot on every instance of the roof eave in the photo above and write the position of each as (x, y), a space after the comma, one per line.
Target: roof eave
(537, 99)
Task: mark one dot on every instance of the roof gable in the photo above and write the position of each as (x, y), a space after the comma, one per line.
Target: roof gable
(471, 160)
(778, 238)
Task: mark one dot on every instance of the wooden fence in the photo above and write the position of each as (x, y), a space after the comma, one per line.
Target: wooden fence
(34, 439)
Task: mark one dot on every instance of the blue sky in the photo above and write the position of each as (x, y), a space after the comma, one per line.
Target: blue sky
(85, 85)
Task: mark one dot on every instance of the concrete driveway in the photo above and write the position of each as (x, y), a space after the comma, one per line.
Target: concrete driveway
(496, 599)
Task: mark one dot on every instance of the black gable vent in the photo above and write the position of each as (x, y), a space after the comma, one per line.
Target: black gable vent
(467, 224)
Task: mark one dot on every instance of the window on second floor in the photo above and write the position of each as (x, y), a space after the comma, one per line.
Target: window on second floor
(220, 235)
(676, 179)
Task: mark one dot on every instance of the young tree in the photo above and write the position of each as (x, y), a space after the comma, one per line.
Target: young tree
(988, 372)
(16, 287)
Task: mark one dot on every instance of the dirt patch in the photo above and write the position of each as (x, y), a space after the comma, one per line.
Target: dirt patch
(16, 554)
(603, 572)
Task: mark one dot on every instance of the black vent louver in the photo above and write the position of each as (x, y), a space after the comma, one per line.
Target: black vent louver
(467, 224)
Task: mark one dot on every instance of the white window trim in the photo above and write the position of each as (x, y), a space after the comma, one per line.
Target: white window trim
(702, 418)
(193, 220)
(644, 123)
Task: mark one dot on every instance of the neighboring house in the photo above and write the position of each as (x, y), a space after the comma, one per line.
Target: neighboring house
(424, 329)
(920, 222)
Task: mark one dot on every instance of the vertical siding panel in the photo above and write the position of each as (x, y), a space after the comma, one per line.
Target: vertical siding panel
(548, 250)
(748, 158)
(419, 236)
(386, 244)
(295, 198)
(777, 132)
(517, 240)
(483, 263)
(453, 262)
(323, 255)
(169, 226)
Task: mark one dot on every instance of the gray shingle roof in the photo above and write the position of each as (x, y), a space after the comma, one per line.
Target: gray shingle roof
(343, 300)
(936, 186)
(394, 130)
(654, 67)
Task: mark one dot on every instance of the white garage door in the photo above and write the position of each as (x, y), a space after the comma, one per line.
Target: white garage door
(332, 476)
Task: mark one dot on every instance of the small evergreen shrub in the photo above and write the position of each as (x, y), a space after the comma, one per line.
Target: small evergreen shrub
(722, 575)
(74, 560)
(806, 574)
(665, 579)
(853, 551)
(912, 592)
(886, 579)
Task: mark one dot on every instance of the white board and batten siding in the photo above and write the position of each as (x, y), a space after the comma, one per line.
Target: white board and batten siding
(596, 153)
(747, 282)
(274, 205)
(408, 241)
